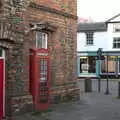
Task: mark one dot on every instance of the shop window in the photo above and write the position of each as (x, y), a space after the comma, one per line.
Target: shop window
(118, 64)
(89, 38)
(41, 40)
(116, 42)
(111, 64)
(87, 64)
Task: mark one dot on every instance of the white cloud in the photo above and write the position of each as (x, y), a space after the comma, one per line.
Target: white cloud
(98, 10)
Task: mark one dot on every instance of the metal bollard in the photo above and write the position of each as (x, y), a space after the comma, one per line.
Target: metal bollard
(88, 85)
(119, 89)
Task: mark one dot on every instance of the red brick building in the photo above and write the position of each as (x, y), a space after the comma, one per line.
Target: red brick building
(38, 48)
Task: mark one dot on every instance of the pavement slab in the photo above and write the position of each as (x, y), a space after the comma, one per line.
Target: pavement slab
(92, 106)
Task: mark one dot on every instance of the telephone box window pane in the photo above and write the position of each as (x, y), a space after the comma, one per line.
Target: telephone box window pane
(43, 70)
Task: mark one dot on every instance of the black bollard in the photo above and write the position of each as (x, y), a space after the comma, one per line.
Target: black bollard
(88, 85)
(119, 89)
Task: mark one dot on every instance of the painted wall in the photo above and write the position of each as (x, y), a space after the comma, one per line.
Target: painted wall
(100, 41)
(111, 35)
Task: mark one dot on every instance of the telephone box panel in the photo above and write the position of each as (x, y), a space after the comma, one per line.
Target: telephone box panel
(40, 78)
(1, 86)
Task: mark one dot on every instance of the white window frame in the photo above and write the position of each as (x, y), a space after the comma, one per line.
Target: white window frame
(89, 38)
(116, 40)
(116, 27)
(44, 40)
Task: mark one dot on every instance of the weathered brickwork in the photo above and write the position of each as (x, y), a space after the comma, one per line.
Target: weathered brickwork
(17, 39)
(62, 44)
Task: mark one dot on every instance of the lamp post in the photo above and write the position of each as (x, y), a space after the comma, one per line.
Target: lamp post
(107, 87)
(99, 55)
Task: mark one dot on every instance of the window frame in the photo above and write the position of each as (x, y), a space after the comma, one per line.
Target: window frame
(44, 41)
(85, 66)
(116, 27)
(116, 42)
(89, 38)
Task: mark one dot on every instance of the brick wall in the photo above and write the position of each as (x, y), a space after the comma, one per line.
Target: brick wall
(61, 15)
(68, 6)
(61, 43)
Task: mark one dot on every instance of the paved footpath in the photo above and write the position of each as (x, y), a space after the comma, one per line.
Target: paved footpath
(92, 106)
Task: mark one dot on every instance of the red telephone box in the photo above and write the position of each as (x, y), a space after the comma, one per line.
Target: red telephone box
(1, 87)
(40, 78)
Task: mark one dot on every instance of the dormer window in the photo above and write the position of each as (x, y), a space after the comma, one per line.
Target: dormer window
(41, 40)
(116, 27)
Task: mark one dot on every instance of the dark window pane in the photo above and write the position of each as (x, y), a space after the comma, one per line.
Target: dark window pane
(0, 52)
(118, 45)
(89, 38)
(113, 45)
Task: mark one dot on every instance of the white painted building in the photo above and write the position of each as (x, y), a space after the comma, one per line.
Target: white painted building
(91, 37)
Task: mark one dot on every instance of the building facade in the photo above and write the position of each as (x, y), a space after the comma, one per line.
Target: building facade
(91, 37)
(37, 53)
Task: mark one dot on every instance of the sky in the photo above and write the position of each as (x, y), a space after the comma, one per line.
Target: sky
(98, 10)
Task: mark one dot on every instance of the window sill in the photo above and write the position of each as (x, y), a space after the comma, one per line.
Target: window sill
(89, 45)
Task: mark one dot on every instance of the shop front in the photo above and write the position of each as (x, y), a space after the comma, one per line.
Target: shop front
(86, 64)
(89, 66)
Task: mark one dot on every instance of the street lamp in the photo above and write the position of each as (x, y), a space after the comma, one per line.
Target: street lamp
(107, 87)
(99, 57)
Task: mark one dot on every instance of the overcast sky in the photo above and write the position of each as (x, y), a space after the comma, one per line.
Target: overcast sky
(98, 10)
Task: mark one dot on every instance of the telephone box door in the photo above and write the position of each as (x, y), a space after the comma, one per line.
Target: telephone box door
(43, 95)
(40, 78)
(1, 86)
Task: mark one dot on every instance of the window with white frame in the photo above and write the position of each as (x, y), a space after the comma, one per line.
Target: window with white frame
(89, 38)
(116, 27)
(116, 42)
(41, 40)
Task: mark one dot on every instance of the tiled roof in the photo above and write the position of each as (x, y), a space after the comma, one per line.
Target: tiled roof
(98, 26)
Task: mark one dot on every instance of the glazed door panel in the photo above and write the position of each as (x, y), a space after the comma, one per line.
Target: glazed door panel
(43, 98)
(40, 78)
(1, 86)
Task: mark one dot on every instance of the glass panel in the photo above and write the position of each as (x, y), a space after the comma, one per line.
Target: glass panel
(83, 64)
(118, 64)
(87, 64)
(43, 70)
(1, 52)
(111, 64)
(41, 39)
(89, 38)
(117, 27)
(92, 64)
(116, 42)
